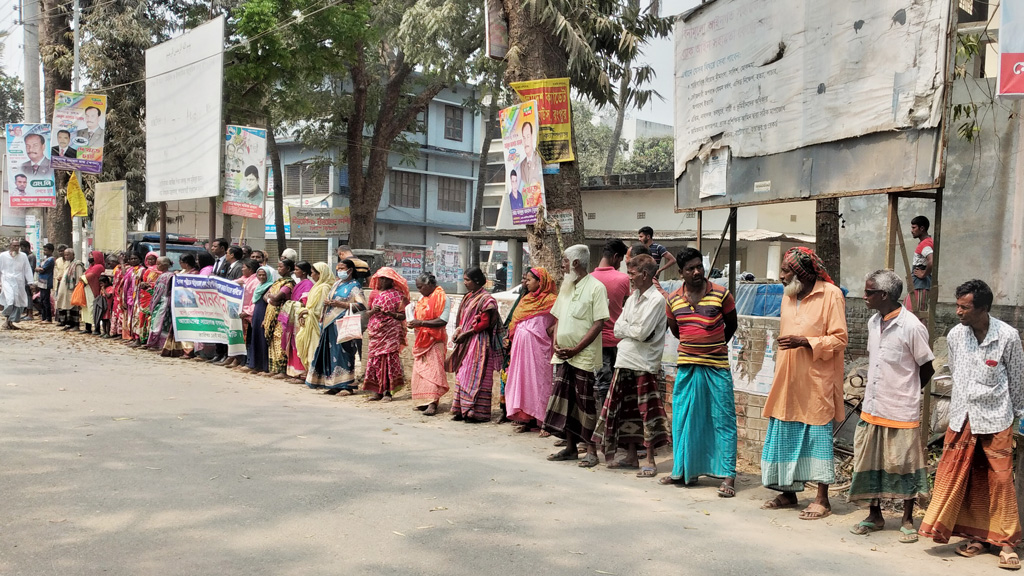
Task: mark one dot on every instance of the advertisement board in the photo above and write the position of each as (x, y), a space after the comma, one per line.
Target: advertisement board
(245, 163)
(29, 172)
(79, 129)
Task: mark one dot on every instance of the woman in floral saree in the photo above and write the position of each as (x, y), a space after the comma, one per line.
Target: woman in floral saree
(386, 331)
(279, 293)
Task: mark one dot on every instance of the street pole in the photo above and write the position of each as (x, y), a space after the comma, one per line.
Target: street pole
(30, 22)
(78, 233)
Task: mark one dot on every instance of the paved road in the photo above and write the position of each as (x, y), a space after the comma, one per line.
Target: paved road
(115, 462)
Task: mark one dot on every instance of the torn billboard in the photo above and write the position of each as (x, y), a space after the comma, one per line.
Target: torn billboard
(768, 77)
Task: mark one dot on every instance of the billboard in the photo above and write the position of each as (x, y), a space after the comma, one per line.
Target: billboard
(29, 172)
(318, 222)
(1011, 50)
(110, 208)
(79, 124)
(524, 177)
(184, 132)
(245, 171)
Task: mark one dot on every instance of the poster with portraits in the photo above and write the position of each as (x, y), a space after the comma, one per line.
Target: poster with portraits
(79, 124)
(524, 177)
(29, 173)
(245, 171)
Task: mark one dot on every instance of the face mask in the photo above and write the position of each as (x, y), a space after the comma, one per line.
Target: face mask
(343, 274)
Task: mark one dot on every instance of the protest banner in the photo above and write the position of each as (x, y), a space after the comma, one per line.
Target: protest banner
(524, 181)
(79, 121)
(205, 309)
(318, 222)
(29, 173)
(245, 162)
(554, 137)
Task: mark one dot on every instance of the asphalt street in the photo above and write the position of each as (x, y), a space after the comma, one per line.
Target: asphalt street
(118, 462)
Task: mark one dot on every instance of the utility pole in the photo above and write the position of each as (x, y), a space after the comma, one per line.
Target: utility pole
(30, 22)
(78, 234)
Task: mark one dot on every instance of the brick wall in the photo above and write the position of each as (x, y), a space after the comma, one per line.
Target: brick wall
(750, 425)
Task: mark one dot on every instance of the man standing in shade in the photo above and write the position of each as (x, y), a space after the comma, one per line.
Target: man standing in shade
(889, 460)
(580, 311)
(974, 495)
(807, 392)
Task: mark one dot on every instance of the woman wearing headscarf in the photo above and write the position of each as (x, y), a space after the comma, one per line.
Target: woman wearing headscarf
(97, 265)
(280, 292)
(333, 366)
(258, 360)
(529, 371)
(116, 311)
(307, 333)
(429, 380)
(161, 334)
(386, 331)
(145, 278)
(477, 353)
(127, 293)
(288, 317)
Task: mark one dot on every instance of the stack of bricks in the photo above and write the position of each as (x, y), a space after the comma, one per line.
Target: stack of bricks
(750, 425)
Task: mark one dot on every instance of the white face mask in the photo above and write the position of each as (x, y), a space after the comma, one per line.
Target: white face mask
(343, 274)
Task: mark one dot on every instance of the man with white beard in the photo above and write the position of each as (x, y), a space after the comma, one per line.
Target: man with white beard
(580, 311)
(807, 392)
(15, 275)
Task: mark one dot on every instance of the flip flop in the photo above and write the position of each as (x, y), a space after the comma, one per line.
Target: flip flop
(616, 464)
(808, 514)
(670, 481)
(589, 461)
(562, 442)
(777, 504)
(864, 528)
(726, 491)
(647, 472)
(907, 535)
(971, 549)
(563, 455)
(1004, 560)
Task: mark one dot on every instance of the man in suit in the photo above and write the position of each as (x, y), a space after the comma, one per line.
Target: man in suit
(63, 147)
(37, 164)
(234, 258)
(92, 132)
(221, 266)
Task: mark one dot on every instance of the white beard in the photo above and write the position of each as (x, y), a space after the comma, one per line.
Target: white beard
(568, 284)
(793, 288)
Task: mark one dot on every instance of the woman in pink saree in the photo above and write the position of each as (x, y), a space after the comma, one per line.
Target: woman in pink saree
(477, 354)
(386, 330)
(529, 370)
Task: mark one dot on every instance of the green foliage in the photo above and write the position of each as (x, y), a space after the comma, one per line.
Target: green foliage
(968, 47)
(593, 139)
(12, 96)
(650, 155)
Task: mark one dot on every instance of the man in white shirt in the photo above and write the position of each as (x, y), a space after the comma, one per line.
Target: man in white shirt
(889, 460)
(15, 276)
(974, 494)
(633, 412)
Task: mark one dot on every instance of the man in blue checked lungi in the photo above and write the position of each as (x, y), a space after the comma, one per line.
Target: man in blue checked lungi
(807, 392)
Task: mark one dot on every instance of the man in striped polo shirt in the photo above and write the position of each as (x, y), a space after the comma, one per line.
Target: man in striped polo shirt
(702, 315)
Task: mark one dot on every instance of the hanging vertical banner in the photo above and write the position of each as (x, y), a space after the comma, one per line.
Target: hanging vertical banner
(496, 25)
(554, 136)
(79, 121)
(1011, 50)
(110, 216)
(245, 163)
(524, 180)
(29, 173)
(76, 197)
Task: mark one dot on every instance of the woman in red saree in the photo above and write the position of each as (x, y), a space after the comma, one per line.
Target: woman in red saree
(477, 354)
(429, 381)
(127, 292)
(386, 331)
(145, 279)
(118, 290)
(97, 265)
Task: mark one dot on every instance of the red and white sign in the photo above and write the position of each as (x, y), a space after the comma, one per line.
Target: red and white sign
(1011, 50)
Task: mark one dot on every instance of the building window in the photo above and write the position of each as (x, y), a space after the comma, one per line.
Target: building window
(591, 215)
(641, 215)
(405, 189)
(451, 195)
(306, 180)
(453, 123)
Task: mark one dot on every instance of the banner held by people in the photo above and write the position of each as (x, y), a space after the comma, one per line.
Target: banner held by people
(524, 179)
(205, 309)
(79, 122)
(29, 173)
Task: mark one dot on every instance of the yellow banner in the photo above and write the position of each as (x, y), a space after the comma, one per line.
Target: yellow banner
(555, 134)
(76, 197)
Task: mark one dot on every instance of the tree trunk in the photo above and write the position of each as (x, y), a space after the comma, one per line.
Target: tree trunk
(491, 131)
(362, 215)
(55, 47)
(539, 56)
(620, 118)
(827, 236)
(275, 161)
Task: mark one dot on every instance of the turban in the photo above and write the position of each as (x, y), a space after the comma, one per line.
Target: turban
(807, 266)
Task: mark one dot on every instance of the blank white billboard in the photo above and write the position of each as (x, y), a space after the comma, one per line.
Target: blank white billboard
(184, 128)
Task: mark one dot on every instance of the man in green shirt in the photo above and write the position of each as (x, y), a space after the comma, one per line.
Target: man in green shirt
(580, 312)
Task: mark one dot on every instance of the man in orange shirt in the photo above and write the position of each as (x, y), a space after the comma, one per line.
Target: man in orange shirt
(807, 392)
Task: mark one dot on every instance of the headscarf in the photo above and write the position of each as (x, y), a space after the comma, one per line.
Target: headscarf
(807, 266)
(400, 283)
(248, 291)
(430, 308)
(308, 336)
(153, 267)
(260, 290)
(92, 275)
(323, 285)
(538, 302)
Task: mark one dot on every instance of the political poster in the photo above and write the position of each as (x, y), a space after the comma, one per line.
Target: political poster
(1011, 50)
(524, 180)
(447, 264)
(496, 25)
(245, 163)
(29, 173)
(554, 134)
(79, 121)
(205, 309)
(12, 217)
(317, 222)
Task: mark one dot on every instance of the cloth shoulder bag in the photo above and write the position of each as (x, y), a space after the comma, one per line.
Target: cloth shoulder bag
(350, 327)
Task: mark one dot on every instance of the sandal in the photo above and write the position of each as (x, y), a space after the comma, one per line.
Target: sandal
(778, 503)
(670, 481)
(616, 464)
(647, 472)
(811, 513)
(726, 491)
(864, 528)
(971, 549)
(589, 461)
(907, 535)
(560, 443)
(1005, 560)
(563, 455)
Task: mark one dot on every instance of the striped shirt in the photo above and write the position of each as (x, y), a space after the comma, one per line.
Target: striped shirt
(702, 327)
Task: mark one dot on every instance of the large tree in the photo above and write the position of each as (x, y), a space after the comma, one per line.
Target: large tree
(56, 49)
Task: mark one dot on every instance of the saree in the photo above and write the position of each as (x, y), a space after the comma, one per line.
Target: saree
(333, 365)
(528, 364)
(384, 373)
(127, 300)
(162, 329)
(144, 280)
(272, 328)
(475, 360)
(308, 322)
(429, 380)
